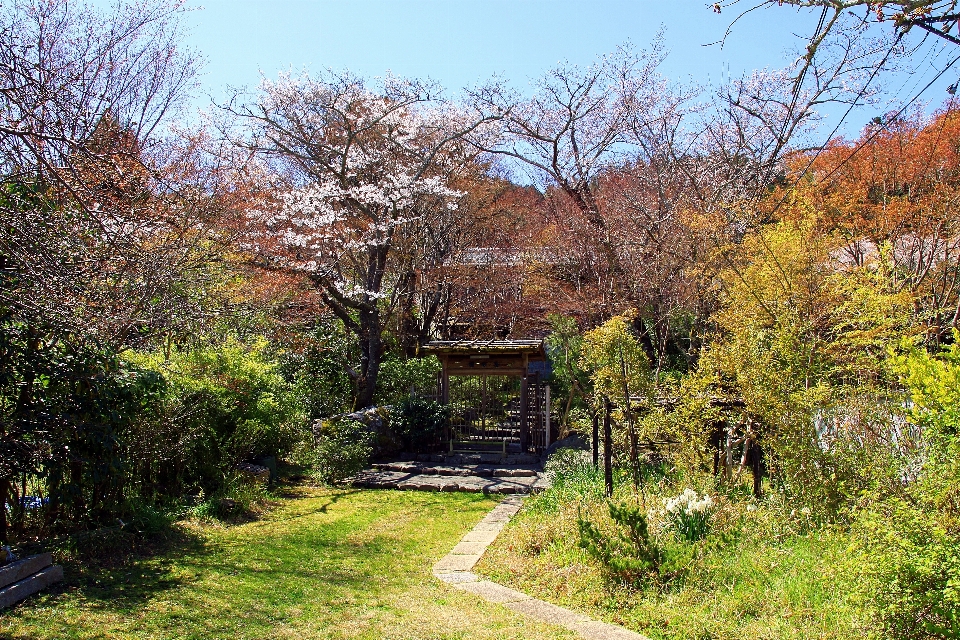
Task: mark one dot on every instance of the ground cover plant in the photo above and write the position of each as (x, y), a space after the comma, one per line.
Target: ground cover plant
(759, 573)
(321, 563)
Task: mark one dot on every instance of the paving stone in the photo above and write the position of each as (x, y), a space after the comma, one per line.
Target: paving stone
(509, 506)
(455, 577)
(470, 548)
(456, 563)
(493, 592)
(506, 488)
(490, 525)
(24, 568)
(484, 537)
(594, 630)
(547, 612)
(28, 586)
(541, 485)
(514, 473)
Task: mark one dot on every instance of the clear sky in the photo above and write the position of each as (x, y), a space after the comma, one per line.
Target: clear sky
(464, 42)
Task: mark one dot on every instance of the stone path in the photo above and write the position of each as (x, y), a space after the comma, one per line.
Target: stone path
(478, 478)
(455, 570)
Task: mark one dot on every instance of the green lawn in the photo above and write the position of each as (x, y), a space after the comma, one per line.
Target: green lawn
(321, 564)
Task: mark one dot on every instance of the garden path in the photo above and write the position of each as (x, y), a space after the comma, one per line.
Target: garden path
(455, 570)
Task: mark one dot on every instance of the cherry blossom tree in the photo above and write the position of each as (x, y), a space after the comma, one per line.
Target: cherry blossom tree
(364, 176)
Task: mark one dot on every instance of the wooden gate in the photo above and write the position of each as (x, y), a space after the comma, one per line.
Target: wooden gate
(496, 402)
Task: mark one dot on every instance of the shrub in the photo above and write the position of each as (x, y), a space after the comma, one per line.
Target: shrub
(343, 448)
(318, 370)
(909, 534)
(225, 404)
(418, 422)
(399, 376)
(238, 495)
(911, 564)
(631, 554)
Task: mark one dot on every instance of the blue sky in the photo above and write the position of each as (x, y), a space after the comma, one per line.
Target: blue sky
(463, 42)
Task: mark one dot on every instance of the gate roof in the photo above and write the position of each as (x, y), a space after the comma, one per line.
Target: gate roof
(533, 349)
(486, 357)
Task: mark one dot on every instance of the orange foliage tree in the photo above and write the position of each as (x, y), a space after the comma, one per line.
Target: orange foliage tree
(892, 195)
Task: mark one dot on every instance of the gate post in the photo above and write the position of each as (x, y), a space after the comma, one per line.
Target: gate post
(524, 423)
(546, 415)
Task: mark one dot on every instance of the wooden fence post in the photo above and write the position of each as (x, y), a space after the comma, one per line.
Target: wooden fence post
(596, 440)
(607, 449)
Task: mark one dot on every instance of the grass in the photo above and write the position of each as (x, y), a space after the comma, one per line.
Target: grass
(762, 582)
(321, 564)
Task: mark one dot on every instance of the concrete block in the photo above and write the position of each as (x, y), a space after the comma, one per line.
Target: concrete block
(24, 568)
(594, 630)
(547, 612)
(25, 588)
(469, 549)
(455, 577)
(483, 537)
(456, 563)
(493, 592)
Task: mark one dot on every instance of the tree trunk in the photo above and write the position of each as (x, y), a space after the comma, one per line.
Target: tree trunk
(370, 354)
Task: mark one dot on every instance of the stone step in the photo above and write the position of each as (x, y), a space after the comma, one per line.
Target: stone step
(385, 479)
(488, 472)
(25, 588)
(17, 571)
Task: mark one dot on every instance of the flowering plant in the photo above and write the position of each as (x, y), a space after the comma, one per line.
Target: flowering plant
(689, 514)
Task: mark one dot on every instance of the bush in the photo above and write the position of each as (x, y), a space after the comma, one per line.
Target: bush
(225, 404)
(318, 371)
(238, 495)
(399, 376)
(909, 534)
(343, 449)
(911, 565)
(631, 554)
(419, 422)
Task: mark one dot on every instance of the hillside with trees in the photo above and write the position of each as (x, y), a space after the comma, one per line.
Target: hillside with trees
(770, 325)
